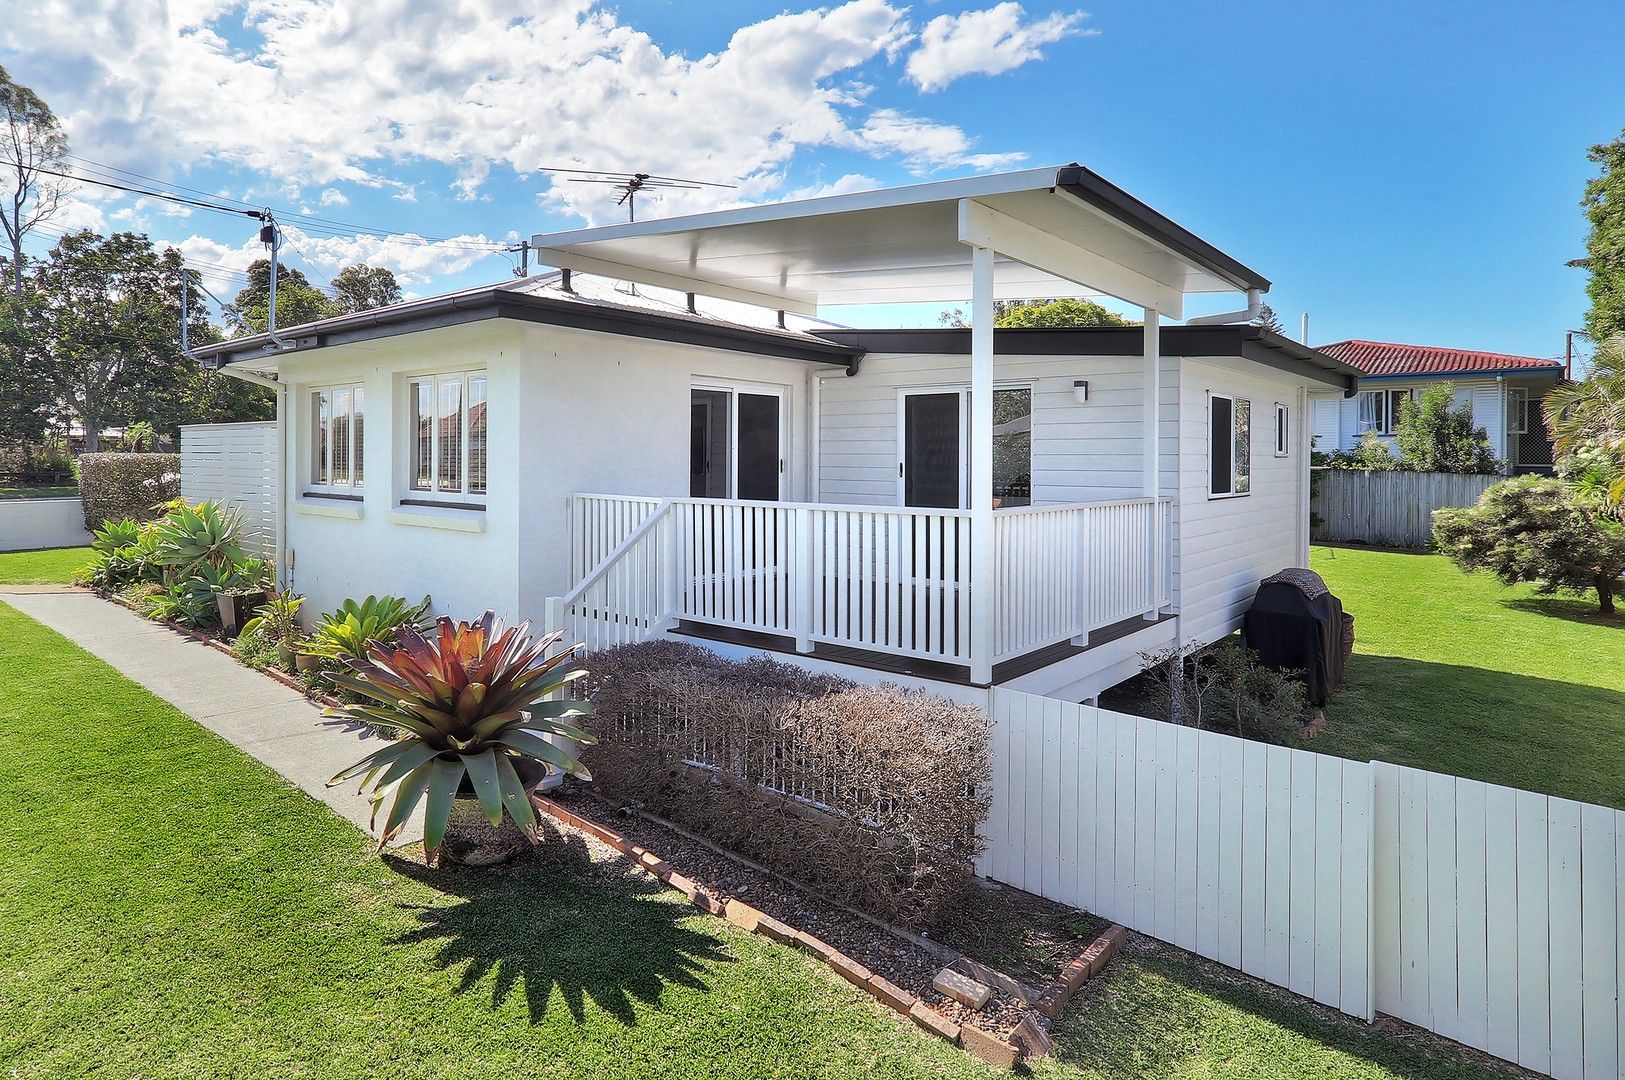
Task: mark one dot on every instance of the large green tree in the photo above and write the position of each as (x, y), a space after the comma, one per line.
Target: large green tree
(1435, 435)
(25, 394)
(32, 146)
(297, 300)
(1604, 204)
(106, 315)
(363, 288)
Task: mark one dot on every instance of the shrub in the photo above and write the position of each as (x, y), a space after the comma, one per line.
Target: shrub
(135, 486)
(1223, 687)
(1371, 455)
(348, 632)
(1435, 436)
(272, 636)
(1538, 530)
(868, 794)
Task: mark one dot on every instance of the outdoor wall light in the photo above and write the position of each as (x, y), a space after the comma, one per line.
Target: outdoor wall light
(1080, 390)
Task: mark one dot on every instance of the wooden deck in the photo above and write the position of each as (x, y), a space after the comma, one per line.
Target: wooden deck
(922, 669)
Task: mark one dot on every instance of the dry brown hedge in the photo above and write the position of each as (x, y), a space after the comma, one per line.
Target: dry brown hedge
(117, 486)
(870, 794)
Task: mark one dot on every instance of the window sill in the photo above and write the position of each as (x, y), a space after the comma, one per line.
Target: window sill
(452, 519)
(1228, 495)
(315, 506)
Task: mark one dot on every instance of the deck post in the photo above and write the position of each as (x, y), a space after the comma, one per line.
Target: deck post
(1151, 420)
(801, 584)
(981, 467)
(671, 568)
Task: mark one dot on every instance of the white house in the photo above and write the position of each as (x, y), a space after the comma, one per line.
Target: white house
(952, 507)
(1503, 391)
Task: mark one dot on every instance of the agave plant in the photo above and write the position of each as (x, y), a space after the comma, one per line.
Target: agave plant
(470, 700)
(114, 536)
(192, 536)
(347, 633)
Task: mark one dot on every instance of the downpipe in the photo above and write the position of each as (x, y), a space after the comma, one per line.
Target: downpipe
(1254, 308)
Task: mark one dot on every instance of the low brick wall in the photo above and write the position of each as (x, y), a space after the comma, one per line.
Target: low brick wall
(26, 524)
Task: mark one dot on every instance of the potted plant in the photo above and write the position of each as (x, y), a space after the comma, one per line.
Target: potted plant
(471, 702)
(277, 623)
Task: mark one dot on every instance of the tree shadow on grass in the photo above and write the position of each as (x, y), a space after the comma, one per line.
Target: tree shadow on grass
(1158, 1009)
(1573, 610)
(552, 923)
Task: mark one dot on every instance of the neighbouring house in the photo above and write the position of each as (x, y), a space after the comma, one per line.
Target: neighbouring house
(696, 454)
(1503, 391)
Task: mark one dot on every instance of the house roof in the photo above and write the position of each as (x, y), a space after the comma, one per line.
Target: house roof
(541, 298)
(1385, 359)
(1245, 340)
(1080, 234)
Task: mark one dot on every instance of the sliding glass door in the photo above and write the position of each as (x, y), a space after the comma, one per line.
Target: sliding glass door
(736, 443)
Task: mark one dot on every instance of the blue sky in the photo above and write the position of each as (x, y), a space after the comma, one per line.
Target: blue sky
(1406, 172)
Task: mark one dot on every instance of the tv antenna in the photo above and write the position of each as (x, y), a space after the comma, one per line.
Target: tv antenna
(629, 184)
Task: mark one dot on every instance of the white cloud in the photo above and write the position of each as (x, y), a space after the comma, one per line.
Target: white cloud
(333, 197)
(987, 42)
(311, 96)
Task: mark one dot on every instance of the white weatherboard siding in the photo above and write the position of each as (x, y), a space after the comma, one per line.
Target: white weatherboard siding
(1227, 545)
(341, 549)
(1082, 452)
(1489, 915)
(610, 415)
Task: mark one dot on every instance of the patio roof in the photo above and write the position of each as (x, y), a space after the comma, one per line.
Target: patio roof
(1058, 231)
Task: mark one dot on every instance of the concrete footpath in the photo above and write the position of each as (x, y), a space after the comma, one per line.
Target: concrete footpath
(251, 711)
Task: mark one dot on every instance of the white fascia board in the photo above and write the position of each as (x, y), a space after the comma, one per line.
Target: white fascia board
(587, 264)
(982, 226)
(878, 198)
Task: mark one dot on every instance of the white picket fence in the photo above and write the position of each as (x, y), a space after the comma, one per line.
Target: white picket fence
(1390, 508)
(1495, 917)
(235, 464)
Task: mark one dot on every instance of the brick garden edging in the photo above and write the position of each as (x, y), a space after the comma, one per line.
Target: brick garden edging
(1029, 1039)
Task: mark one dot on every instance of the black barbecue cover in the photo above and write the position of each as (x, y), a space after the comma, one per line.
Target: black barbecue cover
(1296, 623)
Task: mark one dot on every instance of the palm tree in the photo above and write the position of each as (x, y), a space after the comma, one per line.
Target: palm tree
(1587, 422)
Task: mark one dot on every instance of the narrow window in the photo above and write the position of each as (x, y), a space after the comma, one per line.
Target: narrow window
(1013, 447)
(476, 434)
(420, 408)
(1220, 429)
(1230, 453)
(319, 444)
(449, 436)
(357, 399)
(1517, 410)
(340, 438)
(1281, 429)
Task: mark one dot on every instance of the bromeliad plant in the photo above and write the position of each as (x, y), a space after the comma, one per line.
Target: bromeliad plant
(189, 537)
(349, 632)
(470, 700)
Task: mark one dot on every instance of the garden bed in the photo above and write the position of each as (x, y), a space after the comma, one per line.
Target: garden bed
(1021, 945)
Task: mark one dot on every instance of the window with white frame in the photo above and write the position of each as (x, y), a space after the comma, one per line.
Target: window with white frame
(1380, 410)
(1230, 437)
(446, 436)
(337, 416)
(1281, 429)
(1517, 410)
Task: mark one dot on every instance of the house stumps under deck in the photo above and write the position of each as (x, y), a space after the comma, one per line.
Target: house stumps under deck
(891, 663)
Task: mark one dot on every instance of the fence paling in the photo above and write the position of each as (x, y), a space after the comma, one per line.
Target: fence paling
(1492, 916)
(1393, 508)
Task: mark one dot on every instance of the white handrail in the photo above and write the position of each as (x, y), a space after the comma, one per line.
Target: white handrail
(599, 572)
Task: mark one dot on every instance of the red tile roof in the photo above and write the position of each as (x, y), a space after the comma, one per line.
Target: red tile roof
(1385, 358)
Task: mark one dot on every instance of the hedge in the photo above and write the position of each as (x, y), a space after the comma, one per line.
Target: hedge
(117, 486)
(869, 794)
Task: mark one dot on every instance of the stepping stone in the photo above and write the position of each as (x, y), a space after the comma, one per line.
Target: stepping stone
(962, 988)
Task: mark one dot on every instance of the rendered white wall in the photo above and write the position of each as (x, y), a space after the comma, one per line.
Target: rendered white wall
(610, 415)
(27, 524)
(334, 557)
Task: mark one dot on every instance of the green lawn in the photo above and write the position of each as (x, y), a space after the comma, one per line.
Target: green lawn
(52, 492)
(50, 566)
(168, 907)
(1454, 672)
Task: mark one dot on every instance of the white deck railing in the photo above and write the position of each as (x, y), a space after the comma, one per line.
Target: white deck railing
(893, 580)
